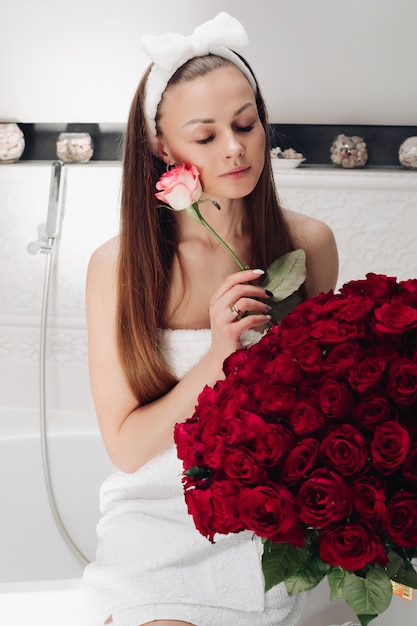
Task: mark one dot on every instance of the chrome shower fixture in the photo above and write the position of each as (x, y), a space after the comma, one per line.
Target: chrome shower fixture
(44, 245)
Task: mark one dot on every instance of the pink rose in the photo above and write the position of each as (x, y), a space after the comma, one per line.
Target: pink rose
(180, 187)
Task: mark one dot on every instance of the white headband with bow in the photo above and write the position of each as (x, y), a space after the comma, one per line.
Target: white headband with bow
(170, 51)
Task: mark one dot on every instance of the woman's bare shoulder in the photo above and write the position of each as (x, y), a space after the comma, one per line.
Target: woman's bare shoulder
(101, 274)
(307, 231)
(318, 241)
(106, 254)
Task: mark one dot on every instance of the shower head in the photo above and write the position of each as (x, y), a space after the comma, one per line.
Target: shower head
(55, 201)
(44, 244)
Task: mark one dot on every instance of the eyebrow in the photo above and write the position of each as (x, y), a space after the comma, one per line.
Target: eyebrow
(210, 120)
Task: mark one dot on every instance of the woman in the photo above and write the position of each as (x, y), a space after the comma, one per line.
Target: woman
(164, 309)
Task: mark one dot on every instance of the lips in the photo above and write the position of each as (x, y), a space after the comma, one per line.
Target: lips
(237, 171)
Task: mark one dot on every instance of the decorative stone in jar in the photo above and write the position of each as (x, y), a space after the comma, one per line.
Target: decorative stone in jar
(407, 153)
(349, 152)
(12, 143)
(74, 147)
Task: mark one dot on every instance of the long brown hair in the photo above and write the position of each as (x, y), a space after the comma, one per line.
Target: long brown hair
(148, 240)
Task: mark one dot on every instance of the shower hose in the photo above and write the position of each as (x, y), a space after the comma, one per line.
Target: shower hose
(42, 405)
(45, 245)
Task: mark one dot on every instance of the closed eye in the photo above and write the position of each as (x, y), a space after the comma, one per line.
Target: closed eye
(206, 140)
(245, 129)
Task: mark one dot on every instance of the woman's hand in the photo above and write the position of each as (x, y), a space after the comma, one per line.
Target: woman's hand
(235, 298)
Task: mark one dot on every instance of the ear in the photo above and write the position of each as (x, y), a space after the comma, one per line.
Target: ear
(163, 152)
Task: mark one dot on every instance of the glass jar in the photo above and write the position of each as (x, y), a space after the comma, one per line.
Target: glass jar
(407, 154)
(74, 147)
(12, 143)
(349, 152)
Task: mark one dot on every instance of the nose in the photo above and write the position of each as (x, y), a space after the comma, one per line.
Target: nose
(233, 147)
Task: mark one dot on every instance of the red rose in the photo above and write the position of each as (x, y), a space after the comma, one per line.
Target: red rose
(354, 310)
(409, 286)
(200, 506)
(283, 370)
(394, 318)
(341, 358)
(309, 356)
(324, 498)
(235, 361)
(389, 447)
(335, 399)
(272, 444)
(240, 466)
(231, 395)
(351, 546)
(409, 467)
(214, 453)
(275, 400)
(371, 411)
(189, 449)
(240, 426)
(402, 519)
(330, 332)
(408, 294)
(226, 502)
(366, 377)
(300, 460)
(306, 418)
(369, 498)
(376, 286)
(402, 382)
(293, 337)
(270, 511)
(345, 450)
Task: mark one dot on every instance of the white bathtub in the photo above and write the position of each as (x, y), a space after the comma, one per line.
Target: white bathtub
(31, 546)
(39, 575)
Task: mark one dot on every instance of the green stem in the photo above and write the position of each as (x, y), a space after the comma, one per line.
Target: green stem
(219, 239)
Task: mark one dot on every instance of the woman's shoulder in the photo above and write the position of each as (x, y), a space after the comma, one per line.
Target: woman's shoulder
(107, 253)
(317, 240)
(308, 231)
(103, 263)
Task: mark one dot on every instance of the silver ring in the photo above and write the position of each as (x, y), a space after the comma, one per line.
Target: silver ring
(235, 311)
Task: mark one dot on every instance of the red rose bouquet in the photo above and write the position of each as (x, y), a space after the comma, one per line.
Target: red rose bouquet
(310, 442)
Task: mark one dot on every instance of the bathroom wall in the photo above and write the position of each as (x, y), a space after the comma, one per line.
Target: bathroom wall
(318, 62)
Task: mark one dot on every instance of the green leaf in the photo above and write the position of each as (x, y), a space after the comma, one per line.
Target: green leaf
(312, 572)
(368, 596)
(282, 308)
(281, 560)
(286, 274)
(365, 619)
(196, 472)
(300, 568)
(335, 579)
(401, 570)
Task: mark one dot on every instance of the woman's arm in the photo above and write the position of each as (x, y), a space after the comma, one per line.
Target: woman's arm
(134, 434)
(318, 241)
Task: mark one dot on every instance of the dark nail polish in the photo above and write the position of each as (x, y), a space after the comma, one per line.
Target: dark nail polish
(269, 293)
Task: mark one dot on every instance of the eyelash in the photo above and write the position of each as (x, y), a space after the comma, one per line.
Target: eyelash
(241, 129)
